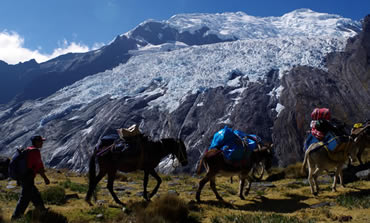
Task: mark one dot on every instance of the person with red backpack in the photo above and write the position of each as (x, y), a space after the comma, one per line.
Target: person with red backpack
(29, 191)
(320, 126)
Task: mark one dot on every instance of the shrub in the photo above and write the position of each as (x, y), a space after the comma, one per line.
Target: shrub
(54, 195)
(44, 217)
(167, 208)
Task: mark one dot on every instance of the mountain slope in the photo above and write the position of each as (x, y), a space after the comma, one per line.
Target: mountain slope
(179, 89)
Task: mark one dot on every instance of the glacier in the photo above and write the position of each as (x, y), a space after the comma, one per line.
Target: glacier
(301, 37)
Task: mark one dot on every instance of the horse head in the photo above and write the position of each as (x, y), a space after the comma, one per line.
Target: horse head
(177, 148)
(265, 154)
(180, 152)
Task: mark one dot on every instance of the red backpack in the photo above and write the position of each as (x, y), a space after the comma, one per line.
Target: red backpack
(320, 113)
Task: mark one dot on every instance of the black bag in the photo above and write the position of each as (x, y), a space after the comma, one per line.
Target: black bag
(18, 165)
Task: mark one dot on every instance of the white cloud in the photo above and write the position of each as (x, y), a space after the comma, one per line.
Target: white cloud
(12, 50)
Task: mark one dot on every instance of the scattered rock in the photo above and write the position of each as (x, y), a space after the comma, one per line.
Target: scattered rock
(172, 184)
(71, 196)
(345, 218)
(363, 175)
(173, 192)
(322, 204)
(140, 194)
(9, 186)
(99, 216)
(124, 188)
(262, 184)
(101, 202)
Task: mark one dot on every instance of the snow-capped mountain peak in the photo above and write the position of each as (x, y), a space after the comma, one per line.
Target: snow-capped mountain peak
(239, 25)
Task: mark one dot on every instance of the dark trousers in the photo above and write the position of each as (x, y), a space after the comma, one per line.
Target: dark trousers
(29, 193)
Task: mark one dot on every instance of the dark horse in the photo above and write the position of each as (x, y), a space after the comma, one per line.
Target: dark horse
(215, 164)
(147, 158)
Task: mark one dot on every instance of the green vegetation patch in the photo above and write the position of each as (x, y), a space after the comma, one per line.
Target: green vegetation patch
(68, 184)
(8, 195)
(355, 199)
(54, 195)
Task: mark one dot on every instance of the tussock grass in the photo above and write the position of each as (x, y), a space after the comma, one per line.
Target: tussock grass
(166, 208)
(166, 178)
(259, 218)
(8, 196)
(294, 171)
(45, 217)
(54, 195)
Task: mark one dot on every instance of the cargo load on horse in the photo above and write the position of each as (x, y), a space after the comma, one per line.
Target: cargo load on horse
(122, 142)
(235, 145)
(324, 130)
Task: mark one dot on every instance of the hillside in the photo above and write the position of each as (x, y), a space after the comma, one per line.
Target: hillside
(281, 200)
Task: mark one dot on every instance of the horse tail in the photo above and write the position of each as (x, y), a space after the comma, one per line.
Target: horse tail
(305, 161)
(199, 169)
(92, 168)
(92, 177)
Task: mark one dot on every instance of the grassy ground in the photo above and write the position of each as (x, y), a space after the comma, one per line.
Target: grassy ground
(285, 200)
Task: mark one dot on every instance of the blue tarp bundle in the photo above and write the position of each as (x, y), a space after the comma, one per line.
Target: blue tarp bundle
(229, 142)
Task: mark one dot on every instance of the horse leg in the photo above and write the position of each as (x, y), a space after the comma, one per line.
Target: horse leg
(248, 186)
(146, 180)
(359, 153)
(341, 178)
(159, 181)
(111, 177)
(315, 175)
(213, 187)
(202, 182)
(333, 187)
(92, 187)
(310, 180)
(241, 187)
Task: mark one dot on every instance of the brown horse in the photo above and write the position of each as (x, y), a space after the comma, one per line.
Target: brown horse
(215, 164)
(149, 154)
(317, 159)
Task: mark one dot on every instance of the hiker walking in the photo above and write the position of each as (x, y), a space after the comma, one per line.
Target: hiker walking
(29, 191)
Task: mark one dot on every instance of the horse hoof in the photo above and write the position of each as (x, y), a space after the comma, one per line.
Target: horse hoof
(242, 197)
(220, 199)
(315, 194)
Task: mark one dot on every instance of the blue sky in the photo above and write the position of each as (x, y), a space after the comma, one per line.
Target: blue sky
(43, 29)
